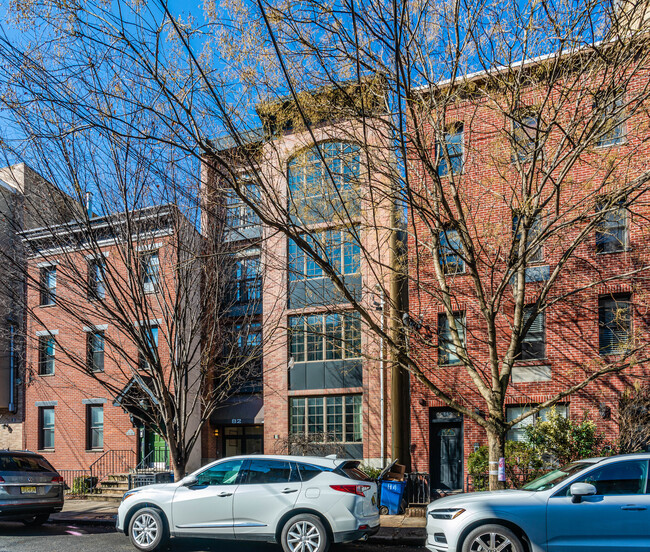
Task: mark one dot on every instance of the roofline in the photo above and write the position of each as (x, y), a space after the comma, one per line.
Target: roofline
(521, 64)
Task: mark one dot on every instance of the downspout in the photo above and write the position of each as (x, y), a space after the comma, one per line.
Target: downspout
(12, 368)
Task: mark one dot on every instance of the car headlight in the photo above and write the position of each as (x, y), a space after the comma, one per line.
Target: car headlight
(127, 494)
(446, 513)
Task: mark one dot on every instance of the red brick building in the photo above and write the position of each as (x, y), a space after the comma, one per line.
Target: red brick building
(85, 279)
(592, 316)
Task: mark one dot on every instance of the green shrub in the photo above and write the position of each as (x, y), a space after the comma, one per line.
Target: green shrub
(83, 484)
(371, 472)
(523, 464)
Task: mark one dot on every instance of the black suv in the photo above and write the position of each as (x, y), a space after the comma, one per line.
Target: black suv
(30, 488)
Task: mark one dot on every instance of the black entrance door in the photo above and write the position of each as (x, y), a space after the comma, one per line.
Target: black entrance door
(446, 458)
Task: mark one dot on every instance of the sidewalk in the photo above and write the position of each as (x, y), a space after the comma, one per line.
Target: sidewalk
(394, 529)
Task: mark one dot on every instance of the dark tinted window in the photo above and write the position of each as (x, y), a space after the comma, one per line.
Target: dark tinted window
(622, 478)
(308, 472)
(222, 474)
(24, 463)
(269, 471)
(352, 471)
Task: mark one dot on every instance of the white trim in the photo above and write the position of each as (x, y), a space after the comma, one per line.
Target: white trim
(149, 247)
(156, 322)
(94, 256)
(98, 328)
(47, 264)
(42, 333)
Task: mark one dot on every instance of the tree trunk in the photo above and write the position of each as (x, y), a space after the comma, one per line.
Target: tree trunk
(496, 450)
(177, 463)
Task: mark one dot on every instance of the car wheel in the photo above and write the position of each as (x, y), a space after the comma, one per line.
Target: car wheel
(35, 521)
(488, 538)
(147, 530)
(383, 510)
(304, 533)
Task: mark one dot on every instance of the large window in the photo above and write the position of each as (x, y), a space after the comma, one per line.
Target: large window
(96, 279)
(239, 215)
(534, 254)
(339, 247)
(518, 431)
(320, 182)
(615, 324)
(611, 117)
(95, 425)
(45, 427)
(46, 350)
(334, 419)
(320, 337)
(450, 151)
(244, 349)
(533, 343)
(95, 351)
(447, 351)
(150, 271)
(48, 285)
(611, 233)
(451, 260)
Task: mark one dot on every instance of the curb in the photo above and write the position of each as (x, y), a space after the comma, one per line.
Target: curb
(105, 521)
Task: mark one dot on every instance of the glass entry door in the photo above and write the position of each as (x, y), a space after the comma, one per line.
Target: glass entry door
(243, 440)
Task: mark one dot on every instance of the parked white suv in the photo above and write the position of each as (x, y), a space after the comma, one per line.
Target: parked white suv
(303, 503)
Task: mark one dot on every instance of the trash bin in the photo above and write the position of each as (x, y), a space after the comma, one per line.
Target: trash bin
(392, 493)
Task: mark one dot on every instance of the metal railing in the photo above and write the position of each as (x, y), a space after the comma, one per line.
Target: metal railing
(156, 460)
(77, 482)
(418, 488)
(112, 462)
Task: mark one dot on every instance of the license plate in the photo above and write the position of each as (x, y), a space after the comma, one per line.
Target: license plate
(28, 490)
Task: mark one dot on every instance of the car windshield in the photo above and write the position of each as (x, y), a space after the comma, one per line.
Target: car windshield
(555, 477)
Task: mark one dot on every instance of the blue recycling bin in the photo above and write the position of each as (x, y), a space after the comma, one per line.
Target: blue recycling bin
(392, 493)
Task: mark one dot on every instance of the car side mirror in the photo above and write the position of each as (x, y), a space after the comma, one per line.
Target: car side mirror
(578, 490)
(189, 480)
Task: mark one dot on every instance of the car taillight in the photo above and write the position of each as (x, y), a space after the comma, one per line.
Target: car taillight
(359, 490)
(57, 479)
(2, 479)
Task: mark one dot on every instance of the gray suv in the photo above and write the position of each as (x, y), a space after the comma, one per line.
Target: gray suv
(30, 488)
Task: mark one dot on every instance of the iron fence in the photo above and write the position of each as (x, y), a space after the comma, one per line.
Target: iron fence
(418, 488)
(78, 482)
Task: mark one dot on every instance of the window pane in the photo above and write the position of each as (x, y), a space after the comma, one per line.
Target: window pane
(447, 353)
(297, 337)
(334, 339)
(298, 416)
(611, 234)
(315, 420)
(224, 473)
(353, 419)
(620, 478)
(452, 147)
(268, 471)
(451, 260)
(533, 346)
(335, 419)
(615, 324)
(611, 117)
(314, 338)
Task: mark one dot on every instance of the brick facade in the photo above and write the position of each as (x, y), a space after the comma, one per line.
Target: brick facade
(572, 327)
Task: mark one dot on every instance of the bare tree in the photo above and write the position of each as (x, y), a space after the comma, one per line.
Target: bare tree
(542, 91)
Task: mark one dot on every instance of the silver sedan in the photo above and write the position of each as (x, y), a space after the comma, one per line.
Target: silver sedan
(595, 505)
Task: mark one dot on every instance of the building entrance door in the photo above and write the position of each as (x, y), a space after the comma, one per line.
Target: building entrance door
(446, 450)
(242, 439)
(156, 453)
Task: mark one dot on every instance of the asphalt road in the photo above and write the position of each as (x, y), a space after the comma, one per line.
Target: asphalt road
(14, 537)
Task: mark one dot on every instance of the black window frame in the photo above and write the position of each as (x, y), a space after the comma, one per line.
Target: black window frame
(609, 229)
(94, 356)
(523, 353)
(606, 304)
(450, 252)
(606, 102)
(454, 136)
(48, 285)
(96, 279)
(46, 361)
(306, 345)
(93, 430)
(42, 429)
(443, 326)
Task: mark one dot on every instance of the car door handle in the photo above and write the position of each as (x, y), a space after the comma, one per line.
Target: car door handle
(224, 494)
(633, 507)
(288, 491)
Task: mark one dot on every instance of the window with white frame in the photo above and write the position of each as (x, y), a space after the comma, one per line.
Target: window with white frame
(48, 285)
(46, 427)
(518, 431)
(450, 151)
(609, 106)
(447, 350)
(533, 342)
(451, 248)
(95, 425)
(96, 279)
(46, 355)
(614, 324)
(611, 231)
(151, 352)
(150, 271)
(95, 351)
